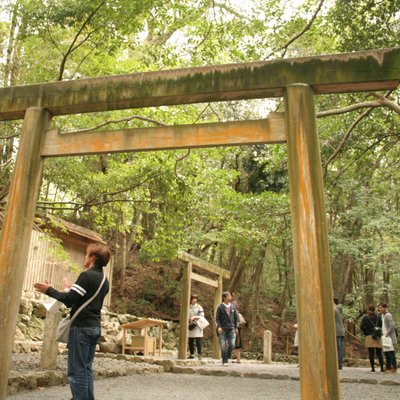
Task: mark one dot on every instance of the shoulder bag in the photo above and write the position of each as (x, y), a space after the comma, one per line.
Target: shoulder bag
(377, 330)
(65, 324)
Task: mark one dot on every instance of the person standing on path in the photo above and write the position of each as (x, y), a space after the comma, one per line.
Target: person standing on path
(238, 340)
(227, 322)
(196, 334)
(85, 329)
(389, 337)
(339, 332)
(374, 345)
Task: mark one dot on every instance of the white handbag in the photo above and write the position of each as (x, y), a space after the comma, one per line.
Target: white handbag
(65, 324)
(386, 341)
(202, 323)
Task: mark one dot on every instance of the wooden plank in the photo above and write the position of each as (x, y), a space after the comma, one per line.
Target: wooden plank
(198, 262)
(357, 71)
(270, 130)
(203, 279)
(184, 317)
(317, 340)
(217, 301)
(17, 230)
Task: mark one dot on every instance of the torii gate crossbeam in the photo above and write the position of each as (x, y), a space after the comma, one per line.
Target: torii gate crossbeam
(295, 79)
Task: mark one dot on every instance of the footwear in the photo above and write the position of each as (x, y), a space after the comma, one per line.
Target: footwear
(373, 370)
(391, 370)
(190, 357)
(200, 357)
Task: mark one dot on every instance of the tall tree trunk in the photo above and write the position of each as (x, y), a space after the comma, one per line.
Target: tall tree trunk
(237, 273)
(251, 311)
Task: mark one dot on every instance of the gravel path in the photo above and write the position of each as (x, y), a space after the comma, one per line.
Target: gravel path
(182, 387)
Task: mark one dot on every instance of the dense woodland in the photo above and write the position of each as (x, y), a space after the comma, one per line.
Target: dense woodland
(229, 206)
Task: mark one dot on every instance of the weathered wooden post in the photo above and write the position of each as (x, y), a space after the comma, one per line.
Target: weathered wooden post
(49, 353)
(185, 301)
(217, 301)
(17, 229)
(314, 294)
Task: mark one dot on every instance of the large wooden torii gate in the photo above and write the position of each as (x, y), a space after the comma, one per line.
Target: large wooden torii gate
(295, 79)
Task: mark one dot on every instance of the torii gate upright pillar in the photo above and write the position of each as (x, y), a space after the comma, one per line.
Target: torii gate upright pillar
(317, 339)
(17, 229)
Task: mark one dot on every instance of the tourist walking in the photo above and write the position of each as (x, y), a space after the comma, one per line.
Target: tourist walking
(371, 327)
(195, 332)
(85, 329)
(389, 338)
(227, 322)
(339, 332)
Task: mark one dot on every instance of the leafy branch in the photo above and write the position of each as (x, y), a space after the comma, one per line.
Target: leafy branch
(355, 123)
(73, 46)
(116, 121)
(299, 34)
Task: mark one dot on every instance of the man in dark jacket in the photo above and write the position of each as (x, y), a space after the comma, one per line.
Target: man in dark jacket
(227, 321)
(85, 329)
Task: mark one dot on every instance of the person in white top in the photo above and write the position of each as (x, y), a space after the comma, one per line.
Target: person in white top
(389, 338)
(195, 332)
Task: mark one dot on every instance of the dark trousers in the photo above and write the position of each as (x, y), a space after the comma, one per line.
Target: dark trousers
(390, 359)
(81, 351)
(339, 343)
(227, 344)
(378, 351)
(198, 345)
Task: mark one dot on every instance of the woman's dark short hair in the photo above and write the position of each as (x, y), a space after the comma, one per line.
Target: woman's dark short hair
(371, 307)
(194, 296)
(101, 253)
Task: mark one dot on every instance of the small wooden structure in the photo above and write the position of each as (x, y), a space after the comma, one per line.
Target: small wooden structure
(144, 343)
(44, 261)
(297, 80)
(188, 276)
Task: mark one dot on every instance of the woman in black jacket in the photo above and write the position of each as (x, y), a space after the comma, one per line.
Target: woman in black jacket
(373, 343)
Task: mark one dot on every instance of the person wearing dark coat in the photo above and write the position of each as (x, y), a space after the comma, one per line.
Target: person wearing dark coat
(369, 323)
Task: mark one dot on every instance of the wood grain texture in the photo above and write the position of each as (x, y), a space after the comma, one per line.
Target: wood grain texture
(314, 294)
(185, 304)
(351, 72)
(17, 230)
(271, 130)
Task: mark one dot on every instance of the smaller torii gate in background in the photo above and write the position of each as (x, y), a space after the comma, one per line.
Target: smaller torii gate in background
(188, 276)
(297, 80)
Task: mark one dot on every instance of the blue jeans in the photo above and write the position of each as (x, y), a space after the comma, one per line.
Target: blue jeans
(339, 343)
(227, 344)
(81, 350)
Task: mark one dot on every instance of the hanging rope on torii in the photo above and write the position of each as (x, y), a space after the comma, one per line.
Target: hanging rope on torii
(297, 80)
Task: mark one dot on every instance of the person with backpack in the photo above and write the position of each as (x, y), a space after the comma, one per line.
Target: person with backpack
(371, 327)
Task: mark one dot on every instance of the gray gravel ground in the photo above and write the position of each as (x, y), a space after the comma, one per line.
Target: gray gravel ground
(183, 387)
